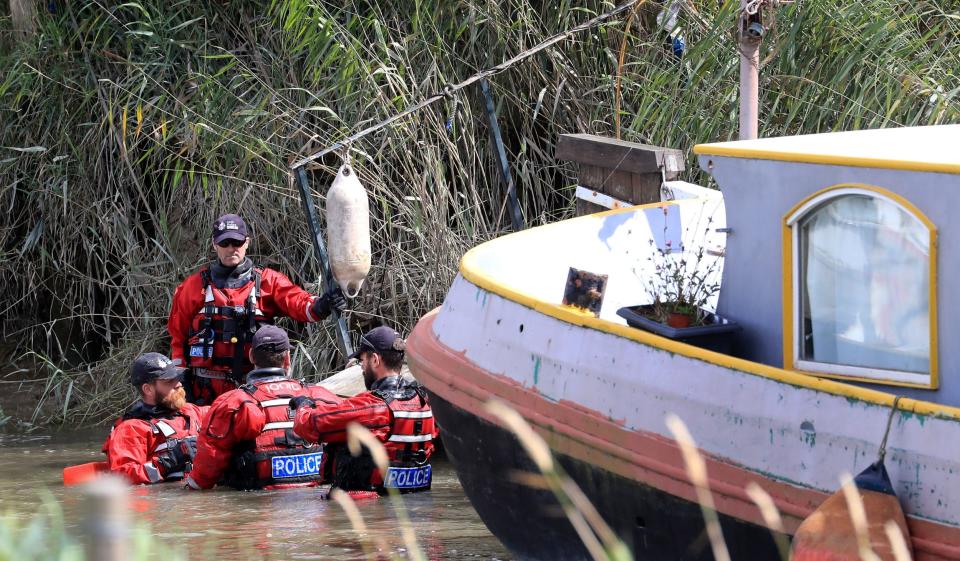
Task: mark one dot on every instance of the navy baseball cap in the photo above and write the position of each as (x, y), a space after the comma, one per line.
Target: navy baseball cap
(379, 340)
(229, 227)
(153, 366)
(271, 338)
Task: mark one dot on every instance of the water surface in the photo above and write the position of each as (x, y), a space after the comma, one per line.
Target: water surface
(293, 524)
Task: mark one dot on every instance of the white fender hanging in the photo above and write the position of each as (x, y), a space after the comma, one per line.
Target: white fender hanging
(348, 231)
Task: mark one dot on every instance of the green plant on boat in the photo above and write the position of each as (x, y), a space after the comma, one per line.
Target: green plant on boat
(683, 274)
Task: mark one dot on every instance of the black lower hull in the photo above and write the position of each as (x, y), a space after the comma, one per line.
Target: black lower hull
(655, 525)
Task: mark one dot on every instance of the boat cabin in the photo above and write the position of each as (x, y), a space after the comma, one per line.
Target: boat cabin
(840, 254)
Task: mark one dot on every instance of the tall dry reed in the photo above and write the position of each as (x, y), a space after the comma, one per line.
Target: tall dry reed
(126, 128)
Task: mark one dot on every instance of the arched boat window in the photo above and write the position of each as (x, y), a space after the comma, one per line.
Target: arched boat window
(862, 297)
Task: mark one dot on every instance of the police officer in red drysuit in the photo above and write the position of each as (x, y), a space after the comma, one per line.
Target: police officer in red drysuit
(394, 409)
(247, 441)
(155, 439)
(218, 309)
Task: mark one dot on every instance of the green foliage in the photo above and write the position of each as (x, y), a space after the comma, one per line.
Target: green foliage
(39, 538)
(127, 128)
(44, 537)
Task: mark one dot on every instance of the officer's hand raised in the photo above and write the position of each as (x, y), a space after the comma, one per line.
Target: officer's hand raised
(332, 299)
(301, 401)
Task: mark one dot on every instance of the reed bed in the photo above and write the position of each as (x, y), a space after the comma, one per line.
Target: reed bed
(125, 129)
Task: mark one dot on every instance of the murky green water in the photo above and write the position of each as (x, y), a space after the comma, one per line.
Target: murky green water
(293, 524)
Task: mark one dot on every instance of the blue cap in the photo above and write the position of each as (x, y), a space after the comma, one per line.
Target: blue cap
(271, 338)
(378, 340)
(153, 366)
(229, 227)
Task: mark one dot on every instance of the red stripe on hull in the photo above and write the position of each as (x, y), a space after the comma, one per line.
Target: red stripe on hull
(584, 434)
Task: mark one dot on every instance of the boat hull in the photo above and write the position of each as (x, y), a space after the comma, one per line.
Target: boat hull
(655, 525)
(632, 475)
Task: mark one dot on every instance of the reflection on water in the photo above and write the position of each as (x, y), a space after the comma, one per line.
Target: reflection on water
(293, 524)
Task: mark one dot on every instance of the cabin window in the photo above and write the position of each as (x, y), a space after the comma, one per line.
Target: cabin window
(862, 296)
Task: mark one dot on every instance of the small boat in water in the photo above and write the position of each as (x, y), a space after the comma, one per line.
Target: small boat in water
(834, 254)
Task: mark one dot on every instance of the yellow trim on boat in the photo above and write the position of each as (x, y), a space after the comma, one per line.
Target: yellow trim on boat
(472, 272)
(826, 159)
(786, 300)
(789, 326)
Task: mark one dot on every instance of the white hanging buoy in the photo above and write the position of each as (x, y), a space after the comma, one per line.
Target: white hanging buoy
(348, 231)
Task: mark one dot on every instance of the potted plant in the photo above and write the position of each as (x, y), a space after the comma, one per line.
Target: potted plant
(681, 279)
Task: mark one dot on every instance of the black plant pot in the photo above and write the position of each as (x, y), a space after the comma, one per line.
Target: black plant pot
(717, 334)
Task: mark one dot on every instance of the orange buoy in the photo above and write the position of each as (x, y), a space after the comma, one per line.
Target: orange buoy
(81, 473)
(829, 534)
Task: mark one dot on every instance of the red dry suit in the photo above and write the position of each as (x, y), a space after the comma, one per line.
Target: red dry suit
(396, 411)
(247, 440)
(142, 433)
(210, 327)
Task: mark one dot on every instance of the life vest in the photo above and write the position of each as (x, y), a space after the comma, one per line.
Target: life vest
(409, 444)
(166, 427)
(277, 457)
(220, 334)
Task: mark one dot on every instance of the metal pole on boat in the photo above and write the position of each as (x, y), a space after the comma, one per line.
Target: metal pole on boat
(516, 219)
(750, 34)
(320, 248)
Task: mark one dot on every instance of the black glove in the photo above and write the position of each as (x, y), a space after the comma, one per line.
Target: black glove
(331, 300)
(177, 456)
(302, 401)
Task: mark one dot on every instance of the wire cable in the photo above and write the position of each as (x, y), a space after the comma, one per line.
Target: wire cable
(449, 90)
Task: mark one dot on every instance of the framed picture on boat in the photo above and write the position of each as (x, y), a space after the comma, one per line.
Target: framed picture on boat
(584, 291)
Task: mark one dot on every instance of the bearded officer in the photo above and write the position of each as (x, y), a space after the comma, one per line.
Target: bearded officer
(217, 310)
(394, 409)
(248, 440)
(155, 439)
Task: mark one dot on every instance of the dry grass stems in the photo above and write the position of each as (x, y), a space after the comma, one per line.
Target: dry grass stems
(126, 128)
(771, 517)
(697, 472)
(359, 437)
(600, 541)
(370, 543)
(858, 516)
(901, 552)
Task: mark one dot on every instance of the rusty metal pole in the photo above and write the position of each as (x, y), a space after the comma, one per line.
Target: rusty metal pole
(106, 526)
(750, 34)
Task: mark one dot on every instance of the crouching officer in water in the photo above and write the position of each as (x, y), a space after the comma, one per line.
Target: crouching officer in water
(218, 309)
(247, 440)
(394, 409)
(155, 439)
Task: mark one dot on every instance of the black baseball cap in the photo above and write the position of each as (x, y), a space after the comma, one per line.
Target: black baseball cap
(379, 340)
(153, 366)
(271, 338)
(229, 227)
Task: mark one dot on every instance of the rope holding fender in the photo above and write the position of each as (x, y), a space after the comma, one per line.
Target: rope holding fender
(883, 443)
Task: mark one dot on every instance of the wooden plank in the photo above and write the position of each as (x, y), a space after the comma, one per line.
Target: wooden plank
(619, 155)
(646, 188)
(636, 188)
(618, 184)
